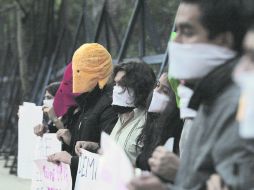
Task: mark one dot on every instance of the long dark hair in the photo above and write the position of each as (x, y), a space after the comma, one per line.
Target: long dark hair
(158, 129)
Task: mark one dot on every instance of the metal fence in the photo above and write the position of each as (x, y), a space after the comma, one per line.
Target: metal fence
(52, 66)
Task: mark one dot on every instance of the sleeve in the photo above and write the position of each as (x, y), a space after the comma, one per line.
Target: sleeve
(108, 119)
(234, 157)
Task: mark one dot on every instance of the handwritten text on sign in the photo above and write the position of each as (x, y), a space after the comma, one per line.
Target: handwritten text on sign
(87, 171)
(55, 177)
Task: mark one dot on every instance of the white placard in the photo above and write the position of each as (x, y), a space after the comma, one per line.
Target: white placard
(115, 169)
(30, 115)
(54, 176)
(87, 171)
(45, 146)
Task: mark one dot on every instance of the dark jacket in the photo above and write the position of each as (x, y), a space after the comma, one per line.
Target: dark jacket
(214, 145)
(70, 120)
(96, 115)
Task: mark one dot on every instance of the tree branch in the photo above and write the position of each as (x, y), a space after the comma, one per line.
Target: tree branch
(22, 8)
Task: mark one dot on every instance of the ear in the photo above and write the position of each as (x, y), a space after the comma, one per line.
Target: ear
(225, 39)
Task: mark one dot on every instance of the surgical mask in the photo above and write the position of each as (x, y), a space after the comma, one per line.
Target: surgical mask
(48, 103)
(123, 97)
(194, 61)
(159, 102)
(185, 95)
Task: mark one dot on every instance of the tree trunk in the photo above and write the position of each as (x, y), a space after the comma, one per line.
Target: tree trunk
(32, 36)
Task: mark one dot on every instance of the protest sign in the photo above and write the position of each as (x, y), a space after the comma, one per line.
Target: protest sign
(30, 115)
(45, 146)
(87, 171)
(115, 169)
(55, 176)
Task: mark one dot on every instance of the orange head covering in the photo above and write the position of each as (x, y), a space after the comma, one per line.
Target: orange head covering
(91, 65)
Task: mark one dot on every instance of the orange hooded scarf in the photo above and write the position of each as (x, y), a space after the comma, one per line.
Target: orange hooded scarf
(91, 65)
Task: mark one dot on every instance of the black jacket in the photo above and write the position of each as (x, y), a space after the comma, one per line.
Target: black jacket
(70, 120)
(96, 115)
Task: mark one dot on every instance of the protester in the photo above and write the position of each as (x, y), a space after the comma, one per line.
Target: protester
(163, 122)
(244, 78)
(204, 54)
(48, 123)
(91, 67)
(130, 95)
(65, 107)
(163, 162)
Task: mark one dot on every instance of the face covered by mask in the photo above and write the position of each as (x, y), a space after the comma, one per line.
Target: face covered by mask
(194, 61)
(48, 103)
(245, 80)
(185, 95)
(159, 102)
(123, 100)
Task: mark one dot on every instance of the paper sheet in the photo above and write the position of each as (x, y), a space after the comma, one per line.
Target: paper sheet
(29, 116)
(55, 177)
(87, 171)
(115, 169)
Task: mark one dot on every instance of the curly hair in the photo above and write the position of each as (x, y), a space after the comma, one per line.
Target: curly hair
(140, 78)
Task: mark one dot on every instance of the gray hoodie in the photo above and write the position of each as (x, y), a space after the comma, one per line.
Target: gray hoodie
(214, 145)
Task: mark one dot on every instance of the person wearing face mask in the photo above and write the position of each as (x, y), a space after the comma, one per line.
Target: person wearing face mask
(204, 54)
(91, 67)
(243, 76)
(65, 107)
(130, 95)
(48, 122)
(162, 122)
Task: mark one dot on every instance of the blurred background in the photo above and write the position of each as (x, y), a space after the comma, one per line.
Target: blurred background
(38, 38)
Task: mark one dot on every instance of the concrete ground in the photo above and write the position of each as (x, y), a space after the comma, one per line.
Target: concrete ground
(12, 182)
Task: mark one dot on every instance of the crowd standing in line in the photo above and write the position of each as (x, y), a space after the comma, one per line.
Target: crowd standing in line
(192, 134)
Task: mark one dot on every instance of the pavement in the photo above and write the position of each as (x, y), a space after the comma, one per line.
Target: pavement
(12, 182)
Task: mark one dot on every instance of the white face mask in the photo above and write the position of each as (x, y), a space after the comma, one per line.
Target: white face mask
(48, 103)
(123, 97)
(159, 102)
(185, 95)
(194, 61)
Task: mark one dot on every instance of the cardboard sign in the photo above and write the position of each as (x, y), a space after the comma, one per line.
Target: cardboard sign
(55, 177)
(87, 171)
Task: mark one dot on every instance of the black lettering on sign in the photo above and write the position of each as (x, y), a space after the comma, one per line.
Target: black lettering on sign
(88, 168)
